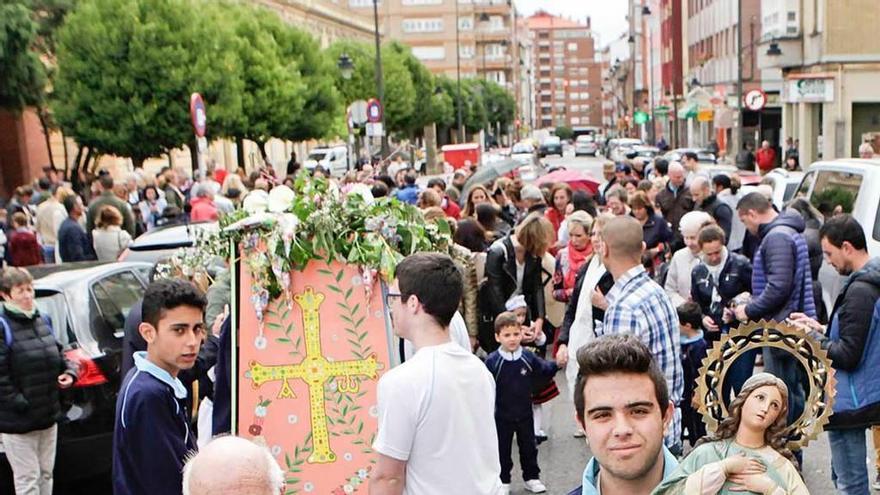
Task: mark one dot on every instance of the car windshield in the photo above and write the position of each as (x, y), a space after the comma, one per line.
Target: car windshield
(585, 139)
(317, 155)
(552, 140)
(522, 148)
(52, 304)
(835, 189)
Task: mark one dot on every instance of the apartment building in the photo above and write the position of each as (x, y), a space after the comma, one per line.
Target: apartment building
(829, 56)
(326, 20)
(568, 77)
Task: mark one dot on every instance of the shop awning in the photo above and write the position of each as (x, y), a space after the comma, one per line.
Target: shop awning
(688, 112)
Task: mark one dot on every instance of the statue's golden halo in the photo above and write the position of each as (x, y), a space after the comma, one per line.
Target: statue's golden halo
(758, 335)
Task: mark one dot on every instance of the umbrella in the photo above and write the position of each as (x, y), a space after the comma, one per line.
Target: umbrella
(487, 174)
(576, 179)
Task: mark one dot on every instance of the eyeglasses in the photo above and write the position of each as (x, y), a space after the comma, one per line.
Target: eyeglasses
(392, 294)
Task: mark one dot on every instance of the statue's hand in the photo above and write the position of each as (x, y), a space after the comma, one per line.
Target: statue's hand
(755, 483)
(742, 465)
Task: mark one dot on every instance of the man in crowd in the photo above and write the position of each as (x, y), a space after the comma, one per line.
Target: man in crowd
(108, 198)
(232, 466)
(616, 200)
(173, 193)
(766, 157)
(781, 283)
(459, 179)
(745, 158)
(50, 214)
(638, 306)
(674, 201)
(436, 411)
(708, 201)
(450, 208)
(532, 199)
(73, 242)
(622, 402)
(854, 355)
(725, 189)
(409, 193)
(610, 180)
(152, 435)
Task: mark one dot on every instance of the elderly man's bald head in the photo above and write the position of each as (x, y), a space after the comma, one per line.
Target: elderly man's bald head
(676, 174)
(232, 466)
(624, 239)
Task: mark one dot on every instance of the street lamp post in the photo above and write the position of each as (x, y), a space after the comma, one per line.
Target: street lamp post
(646, 12)
(380, 83)
(459, 124)
(738, 135)
(346, 68)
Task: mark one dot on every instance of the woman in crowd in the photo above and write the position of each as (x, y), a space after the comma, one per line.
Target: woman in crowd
(470, 234)
(487, 217)
(573, 256)
(108, 237)
(678, 276)
(656, 231)
(477, 195)
(513, 266)
(580, 201)
(560, 196)
(508, 212)
(152, 205)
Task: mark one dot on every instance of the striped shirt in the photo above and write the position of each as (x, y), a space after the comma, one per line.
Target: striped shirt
(637, 305)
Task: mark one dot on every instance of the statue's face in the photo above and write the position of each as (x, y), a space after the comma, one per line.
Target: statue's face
(762, 407)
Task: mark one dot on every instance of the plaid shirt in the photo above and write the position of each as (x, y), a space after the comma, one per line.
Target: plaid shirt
(637, 305)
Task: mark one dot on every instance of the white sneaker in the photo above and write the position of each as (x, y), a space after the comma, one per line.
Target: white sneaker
(535, 486)
(505, 489)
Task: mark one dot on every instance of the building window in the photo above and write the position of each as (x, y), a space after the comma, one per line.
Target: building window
(466, 23)
(496, 23)
(466, 51)
(426, 25)
(429, 52)
(543, 34)
(361, 3)
(572, 47)
(792, 16)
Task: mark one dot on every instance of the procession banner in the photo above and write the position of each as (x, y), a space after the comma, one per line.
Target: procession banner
(308, 368)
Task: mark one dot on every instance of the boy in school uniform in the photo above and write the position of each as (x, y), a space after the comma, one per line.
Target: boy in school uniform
(152, 436)
(693, 350)
(514, 370)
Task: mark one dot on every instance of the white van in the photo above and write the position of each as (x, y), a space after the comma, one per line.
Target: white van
(850, 185)
(334, 160)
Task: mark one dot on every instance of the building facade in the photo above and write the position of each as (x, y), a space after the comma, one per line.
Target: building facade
(829, 56)
(567, 76)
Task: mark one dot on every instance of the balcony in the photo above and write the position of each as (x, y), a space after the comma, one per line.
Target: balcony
(496, 62)
(493, 34)
(502, 7)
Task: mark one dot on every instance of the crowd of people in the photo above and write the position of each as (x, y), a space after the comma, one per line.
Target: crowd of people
(622, 289)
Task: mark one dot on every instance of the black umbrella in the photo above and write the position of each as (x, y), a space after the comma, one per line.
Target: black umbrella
(487, 174)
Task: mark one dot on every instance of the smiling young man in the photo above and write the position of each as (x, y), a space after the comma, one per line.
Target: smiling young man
(436, 430)
(152, 435)
(623, 405)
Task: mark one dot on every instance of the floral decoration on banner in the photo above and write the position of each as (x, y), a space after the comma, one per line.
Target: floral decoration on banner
(317, 221)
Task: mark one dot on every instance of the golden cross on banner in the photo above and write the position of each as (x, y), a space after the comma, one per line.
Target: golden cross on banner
(314, 370)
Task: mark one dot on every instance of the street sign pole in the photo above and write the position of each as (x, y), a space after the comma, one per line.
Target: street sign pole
(199, 122)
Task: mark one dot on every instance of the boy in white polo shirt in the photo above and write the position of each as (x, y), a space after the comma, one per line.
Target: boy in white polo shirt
(436, 428)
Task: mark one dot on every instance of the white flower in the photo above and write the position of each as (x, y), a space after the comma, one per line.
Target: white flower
(276, 450)
(309, 487)
(260, 342)
(362, 190)
(347, 456)
(357, 280)
(256, 202)
(362, 474)
(374, 411)
(348, 489)
(261, 411)
(292, 419)
(280, 199)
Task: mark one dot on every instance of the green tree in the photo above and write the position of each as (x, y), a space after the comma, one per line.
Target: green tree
(473, 105)
(500, 105)
(424, 84)
(564, 132)
(126, 69)
(22, 77)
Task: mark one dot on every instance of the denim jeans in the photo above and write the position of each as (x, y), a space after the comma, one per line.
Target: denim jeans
(785, 367)
(848, 466)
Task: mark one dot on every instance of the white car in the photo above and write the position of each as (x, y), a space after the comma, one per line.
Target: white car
(524, 153)
(585, 145)
(619, 147)
(333, 160)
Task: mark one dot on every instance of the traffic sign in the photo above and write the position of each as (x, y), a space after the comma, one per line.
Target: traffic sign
(374, 129)
(358, 111)
(756, 100)
(374, 111)
(640, 117)
(197, 112)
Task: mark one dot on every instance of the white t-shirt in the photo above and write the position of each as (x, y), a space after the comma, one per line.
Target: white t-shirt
(457, 333)
(436, 412)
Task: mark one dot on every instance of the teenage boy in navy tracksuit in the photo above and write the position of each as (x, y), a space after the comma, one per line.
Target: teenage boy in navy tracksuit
(514, 370)
(152, 436)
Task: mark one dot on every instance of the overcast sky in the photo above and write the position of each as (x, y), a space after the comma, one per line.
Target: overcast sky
(608, 16)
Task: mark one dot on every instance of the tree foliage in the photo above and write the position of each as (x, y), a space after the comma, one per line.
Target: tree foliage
(126, 69)
(564, 132)
(500, 105)
(22, 75)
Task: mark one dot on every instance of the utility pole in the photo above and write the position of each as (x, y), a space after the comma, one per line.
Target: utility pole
(736, 145)
(459, 124)
(380, 83)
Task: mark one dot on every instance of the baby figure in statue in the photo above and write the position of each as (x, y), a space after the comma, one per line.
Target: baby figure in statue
(747, 453)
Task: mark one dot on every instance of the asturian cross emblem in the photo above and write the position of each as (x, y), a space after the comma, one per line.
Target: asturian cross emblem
(315, 370)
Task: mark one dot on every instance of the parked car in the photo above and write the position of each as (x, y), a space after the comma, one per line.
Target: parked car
(703, 156)
(524, 153)
(334, 160)
(847, 186)
(87, 304)
(552, 145)
(585, 145)
(619, 147)
(163, 241)
(784, 184)
(643, 151)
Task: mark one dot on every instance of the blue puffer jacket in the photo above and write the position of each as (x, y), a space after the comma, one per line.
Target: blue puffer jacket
(854, 348)
(781, 278)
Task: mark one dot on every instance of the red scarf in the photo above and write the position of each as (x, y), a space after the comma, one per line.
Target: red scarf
(576, 259)
(555, 217)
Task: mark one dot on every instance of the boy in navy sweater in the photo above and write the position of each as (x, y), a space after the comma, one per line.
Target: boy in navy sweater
(152, 436)
(514, 370)
(693, 350)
